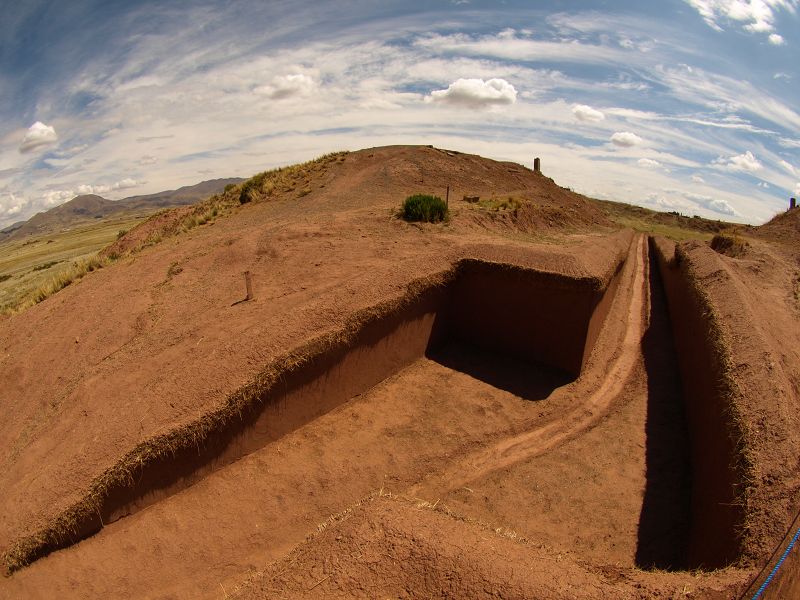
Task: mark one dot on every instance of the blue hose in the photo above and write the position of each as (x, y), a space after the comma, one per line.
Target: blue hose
(768, 580)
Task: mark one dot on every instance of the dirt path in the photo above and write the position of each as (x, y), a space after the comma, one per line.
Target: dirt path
(531, 443)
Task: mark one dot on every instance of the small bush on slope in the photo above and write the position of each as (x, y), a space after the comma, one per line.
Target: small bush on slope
(424, 207)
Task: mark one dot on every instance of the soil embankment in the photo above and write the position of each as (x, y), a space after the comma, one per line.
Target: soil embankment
(717, 479)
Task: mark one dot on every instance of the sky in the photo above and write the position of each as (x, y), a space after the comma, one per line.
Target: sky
(676, 105)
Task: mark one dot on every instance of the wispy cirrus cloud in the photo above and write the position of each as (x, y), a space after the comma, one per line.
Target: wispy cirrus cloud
(162, 101)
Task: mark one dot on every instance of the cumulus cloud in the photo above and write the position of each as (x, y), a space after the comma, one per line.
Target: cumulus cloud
(625, 139)
(287, 86)
(776, 40)
(742, 162)
(476, 93)
(713, 204)
(122, 184)
(11, 204)
(757, 16)
(127, 183)
(93, 189)
(56, 197)
(698, 179)
(583, 112)
(661, 202)
(648, 163)
(38, 135)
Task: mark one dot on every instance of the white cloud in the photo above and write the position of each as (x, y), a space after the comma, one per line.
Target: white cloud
(625, 139)
(713, 204)
(38, 135)
(56, 197)
(11, 204)
(648, 163)
(785, 76)
(776, 40)
(797, 189)
(287, 86)
(520, 46)
(742, 162)
(587, 113)
(93, 189)
(127, 183)
(123, 184)
(148, 160)
(789, 167)
(757, 16)
(698, 179)
(476, 93)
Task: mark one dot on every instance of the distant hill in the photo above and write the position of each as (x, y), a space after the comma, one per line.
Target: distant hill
(90, 206)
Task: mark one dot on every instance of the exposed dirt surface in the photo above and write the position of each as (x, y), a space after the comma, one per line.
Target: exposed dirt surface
(512, 392)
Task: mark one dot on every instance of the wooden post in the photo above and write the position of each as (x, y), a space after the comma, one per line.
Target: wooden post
(249, 284)
(447, 198)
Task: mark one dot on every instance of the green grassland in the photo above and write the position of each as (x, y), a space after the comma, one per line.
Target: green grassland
(667, 224)
(29, 264)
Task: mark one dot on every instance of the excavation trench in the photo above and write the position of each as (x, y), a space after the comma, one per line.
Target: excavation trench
(716, 513)
(524, 330)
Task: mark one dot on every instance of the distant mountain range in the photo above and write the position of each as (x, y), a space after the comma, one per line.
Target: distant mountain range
(90, 206)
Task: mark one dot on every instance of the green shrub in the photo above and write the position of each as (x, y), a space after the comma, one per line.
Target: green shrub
(424, 207)
(246, 194)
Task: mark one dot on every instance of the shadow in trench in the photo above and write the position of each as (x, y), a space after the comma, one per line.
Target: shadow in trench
(665, 517)
(530, 381)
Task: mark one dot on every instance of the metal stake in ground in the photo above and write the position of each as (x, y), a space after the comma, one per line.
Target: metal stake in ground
(248, 281)
(447, 198)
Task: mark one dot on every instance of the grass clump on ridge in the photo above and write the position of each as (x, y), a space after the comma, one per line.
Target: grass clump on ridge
(285, 179)
(729, 244)
(424, 207)
(74, 273)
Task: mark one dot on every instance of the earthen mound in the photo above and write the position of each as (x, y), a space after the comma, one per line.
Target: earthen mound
(618, 403)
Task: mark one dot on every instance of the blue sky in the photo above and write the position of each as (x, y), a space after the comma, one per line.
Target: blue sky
(687, 105)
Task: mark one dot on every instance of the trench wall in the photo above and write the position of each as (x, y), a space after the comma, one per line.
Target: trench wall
(530, 315)
(535, 316)
(716, 517)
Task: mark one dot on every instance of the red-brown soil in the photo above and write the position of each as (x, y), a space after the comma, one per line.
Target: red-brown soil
(509, 390)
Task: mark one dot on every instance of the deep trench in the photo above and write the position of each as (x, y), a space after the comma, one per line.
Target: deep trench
(665, 516)
(521, 330)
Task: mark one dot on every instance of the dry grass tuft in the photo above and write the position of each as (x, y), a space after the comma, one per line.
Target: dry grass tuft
(77, 271)
(265, 185)
(729, 243)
